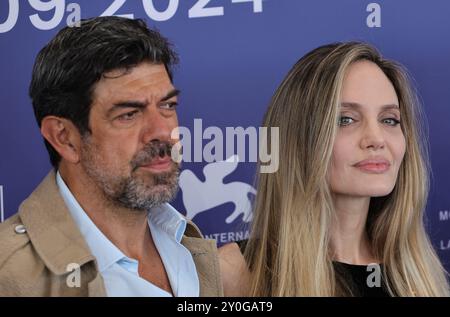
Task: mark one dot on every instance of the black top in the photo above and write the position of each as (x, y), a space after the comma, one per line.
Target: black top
(362, 280)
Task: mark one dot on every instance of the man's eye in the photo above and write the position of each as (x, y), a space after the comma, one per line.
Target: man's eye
(343, 121)
(391, 121)
(169, 105)
(128, 116)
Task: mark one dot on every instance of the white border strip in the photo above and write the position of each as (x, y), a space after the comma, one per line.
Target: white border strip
(2, 214)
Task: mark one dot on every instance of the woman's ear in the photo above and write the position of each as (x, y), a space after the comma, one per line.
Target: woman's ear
(63, 136)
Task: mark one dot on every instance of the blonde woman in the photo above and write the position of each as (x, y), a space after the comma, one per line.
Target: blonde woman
(347, 202)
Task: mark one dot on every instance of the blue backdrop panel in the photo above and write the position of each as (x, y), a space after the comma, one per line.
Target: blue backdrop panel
(234, 53)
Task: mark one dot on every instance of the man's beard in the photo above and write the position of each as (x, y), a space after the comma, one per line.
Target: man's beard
(133, 191)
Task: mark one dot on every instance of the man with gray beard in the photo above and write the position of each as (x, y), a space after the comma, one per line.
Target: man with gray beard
(100, 223)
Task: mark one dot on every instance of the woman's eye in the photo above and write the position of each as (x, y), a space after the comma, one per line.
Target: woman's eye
(391, 121)
(128, 116)
(343, 121)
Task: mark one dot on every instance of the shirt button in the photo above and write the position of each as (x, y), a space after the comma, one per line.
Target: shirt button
(20, 229)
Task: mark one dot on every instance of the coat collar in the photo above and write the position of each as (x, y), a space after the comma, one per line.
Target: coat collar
(51, 228)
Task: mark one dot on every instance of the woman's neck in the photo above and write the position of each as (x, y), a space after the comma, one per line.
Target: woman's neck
(349, 240)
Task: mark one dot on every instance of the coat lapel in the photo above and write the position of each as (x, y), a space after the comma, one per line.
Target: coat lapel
(204, 253)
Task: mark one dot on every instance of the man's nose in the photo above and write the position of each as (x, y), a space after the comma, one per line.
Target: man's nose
(158, 127)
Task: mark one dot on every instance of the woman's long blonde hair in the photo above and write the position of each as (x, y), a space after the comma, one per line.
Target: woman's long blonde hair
(289, 249)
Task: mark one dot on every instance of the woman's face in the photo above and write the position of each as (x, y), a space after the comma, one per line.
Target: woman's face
(370, 144)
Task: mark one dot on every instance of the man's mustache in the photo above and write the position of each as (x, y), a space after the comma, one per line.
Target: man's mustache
(151, 151)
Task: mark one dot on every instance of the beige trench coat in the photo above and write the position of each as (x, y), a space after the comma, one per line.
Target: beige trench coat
(39, 243)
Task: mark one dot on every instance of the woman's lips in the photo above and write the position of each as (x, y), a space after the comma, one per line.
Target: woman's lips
(373, 166)
(159, 164)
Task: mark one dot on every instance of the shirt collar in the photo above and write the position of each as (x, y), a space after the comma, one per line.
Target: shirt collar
(168, 219)
(164, 217)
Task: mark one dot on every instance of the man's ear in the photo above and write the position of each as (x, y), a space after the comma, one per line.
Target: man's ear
(64, 136)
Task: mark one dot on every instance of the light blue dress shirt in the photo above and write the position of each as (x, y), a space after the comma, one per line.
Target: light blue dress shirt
(119, 272)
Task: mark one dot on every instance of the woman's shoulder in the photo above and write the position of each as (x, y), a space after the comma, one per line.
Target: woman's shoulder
(234, 271)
